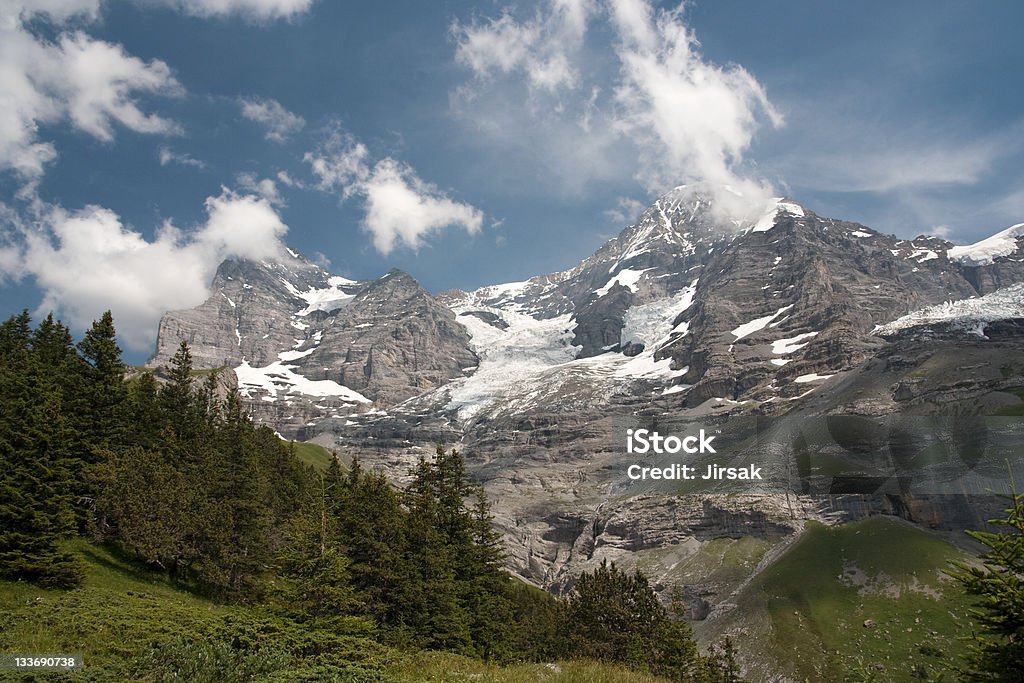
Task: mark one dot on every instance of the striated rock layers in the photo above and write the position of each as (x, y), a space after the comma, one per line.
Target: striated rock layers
(686, 317)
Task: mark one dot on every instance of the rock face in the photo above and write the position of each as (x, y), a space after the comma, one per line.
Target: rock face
(256, 311)
(780, 316)
(307, 345)
(392, 341)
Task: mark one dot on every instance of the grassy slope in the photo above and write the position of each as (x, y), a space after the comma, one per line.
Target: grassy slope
(808, 609)
(131, 624)
(316, 456)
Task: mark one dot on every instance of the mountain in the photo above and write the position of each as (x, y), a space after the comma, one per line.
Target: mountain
(306, 345)
(769, 328)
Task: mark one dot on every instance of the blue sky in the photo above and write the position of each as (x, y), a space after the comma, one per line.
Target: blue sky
(142, 141)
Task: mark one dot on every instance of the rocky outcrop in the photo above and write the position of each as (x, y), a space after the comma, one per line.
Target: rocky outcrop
(392, 341)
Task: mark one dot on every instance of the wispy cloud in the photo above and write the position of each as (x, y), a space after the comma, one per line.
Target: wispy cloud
(838, 155)
(278, 121)
(626, 210)
(168, 156)
(264, 187)
(543, 47)
(257, 10)
(647, 104)
(400, 208)
(89, 260)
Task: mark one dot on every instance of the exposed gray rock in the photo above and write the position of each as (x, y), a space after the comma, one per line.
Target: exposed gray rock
(391, 342)
(684, 315)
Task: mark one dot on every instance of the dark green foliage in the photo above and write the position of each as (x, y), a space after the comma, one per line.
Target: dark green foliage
(998, 650)
(616, 617)
(36, 482)
(538, 626)
(101, 392)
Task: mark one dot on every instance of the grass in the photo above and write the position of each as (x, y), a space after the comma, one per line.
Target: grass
(314, 455)
(132, 624)
(864, 601)
(443, 667)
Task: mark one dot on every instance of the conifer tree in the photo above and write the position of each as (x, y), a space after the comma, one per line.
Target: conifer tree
(177, 396)
(35, 479)
(997, 652)
(614, 616)
(102, 391)
(317, 588)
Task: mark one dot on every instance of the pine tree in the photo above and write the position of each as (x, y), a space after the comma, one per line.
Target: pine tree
(371, 527)
(316, 586)
(147, 422)
(240, 497)
(101, 392)
(997, 652)
(15, 336)
(177, 396)
(35, 478)
(614, 616)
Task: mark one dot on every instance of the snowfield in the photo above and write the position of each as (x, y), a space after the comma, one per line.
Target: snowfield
(533, 361)
(984, 252)
(969, 315)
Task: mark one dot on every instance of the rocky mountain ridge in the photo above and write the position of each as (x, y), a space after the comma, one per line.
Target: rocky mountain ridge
(685, 316)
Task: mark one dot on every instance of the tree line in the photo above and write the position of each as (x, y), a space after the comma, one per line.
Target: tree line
(171, 471)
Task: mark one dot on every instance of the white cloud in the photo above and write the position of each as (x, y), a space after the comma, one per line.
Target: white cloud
(542, 47)
(90, 83)
(252, 9)
(646, 104)
(285, 179)
(168, 156)
(278, 121)
(400, 208)
(626, 210)
(264, 187)
(54, 10)
(87, 261)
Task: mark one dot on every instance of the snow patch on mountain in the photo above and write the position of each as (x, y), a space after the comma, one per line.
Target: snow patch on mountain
(327, 299)
(987, 250)
(775, 206)
(508, 357)
(786, 346)
(279, 380)
(627, 278)
(969, 315)
(812, 377)
(758, 324)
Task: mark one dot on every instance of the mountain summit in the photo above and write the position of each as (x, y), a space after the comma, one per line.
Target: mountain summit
(686, 314)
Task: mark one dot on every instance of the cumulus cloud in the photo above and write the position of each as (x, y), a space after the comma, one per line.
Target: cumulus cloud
(168, 156)
(89, 260)
(400, 208)
(89, 83)
(647, 103)
(278, 121)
